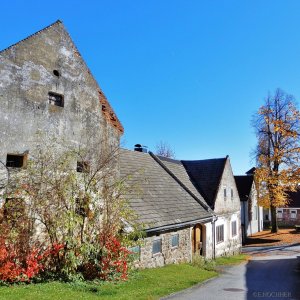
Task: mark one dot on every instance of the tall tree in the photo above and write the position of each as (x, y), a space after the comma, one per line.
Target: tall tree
(277, 129)
(164, 149)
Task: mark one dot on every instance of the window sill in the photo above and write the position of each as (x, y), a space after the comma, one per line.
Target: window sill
(156, 254)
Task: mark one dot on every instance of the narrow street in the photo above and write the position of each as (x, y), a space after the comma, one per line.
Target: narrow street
(272, 273)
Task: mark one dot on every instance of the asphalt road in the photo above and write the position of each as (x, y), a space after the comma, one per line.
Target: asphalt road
(270, 274)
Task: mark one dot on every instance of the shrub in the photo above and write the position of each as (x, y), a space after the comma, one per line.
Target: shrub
(110, 263)
(17, 266)
(203, 263)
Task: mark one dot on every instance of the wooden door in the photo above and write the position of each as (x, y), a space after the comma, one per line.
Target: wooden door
(197, 239)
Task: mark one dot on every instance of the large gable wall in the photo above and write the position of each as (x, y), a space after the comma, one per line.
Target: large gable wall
(26, 78)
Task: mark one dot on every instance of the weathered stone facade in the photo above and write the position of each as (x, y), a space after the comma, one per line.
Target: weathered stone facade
(168, 254)
(44, 66)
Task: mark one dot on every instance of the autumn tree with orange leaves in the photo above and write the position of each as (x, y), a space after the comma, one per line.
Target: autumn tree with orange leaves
(277, 127)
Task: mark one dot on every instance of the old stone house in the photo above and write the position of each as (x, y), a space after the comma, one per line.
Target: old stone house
(174, 217)
(196, 203)
(251, 212)
(46, 89)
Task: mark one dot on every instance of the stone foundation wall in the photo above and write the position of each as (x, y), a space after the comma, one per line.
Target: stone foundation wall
(169, 254)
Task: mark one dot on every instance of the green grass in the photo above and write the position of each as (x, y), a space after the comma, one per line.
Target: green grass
(146, 284)
(231, 260)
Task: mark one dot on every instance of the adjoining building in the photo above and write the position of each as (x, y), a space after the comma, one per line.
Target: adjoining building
(251, 212)
(179, 220)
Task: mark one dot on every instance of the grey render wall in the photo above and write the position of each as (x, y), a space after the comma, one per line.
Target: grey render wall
(26, 78)
(228, 211)
(251, 213)
(169, 255)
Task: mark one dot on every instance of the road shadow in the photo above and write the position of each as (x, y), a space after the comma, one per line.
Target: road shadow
(259, 241)
(277, 278)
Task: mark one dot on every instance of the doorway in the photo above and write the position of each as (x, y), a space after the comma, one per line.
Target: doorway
(197, 235)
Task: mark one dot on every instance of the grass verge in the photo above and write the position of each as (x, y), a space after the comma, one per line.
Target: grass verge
(146, 284)
(231, 260)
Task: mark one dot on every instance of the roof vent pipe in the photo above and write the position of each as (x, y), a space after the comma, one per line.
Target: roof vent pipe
(140, 148)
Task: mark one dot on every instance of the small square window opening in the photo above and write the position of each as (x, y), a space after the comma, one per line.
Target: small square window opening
(56, 99)
(16, 160)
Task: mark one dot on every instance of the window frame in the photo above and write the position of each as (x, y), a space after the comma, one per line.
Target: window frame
(279, 213)
(293, 213)
(234, 228)
(176, 238)
(225, 193)
(220, 234)
(159, 240)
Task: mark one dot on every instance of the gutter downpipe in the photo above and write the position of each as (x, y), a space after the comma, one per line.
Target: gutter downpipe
(215, 218)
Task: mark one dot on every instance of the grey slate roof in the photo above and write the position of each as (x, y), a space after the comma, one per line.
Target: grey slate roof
(177, 168)
(244, 185)
(206, 175)
(158, 199)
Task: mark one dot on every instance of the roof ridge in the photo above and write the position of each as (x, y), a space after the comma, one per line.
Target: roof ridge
(31, 35)
(204, 205)
(206, 159)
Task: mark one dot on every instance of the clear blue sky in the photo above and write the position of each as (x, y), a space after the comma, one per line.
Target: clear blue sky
(191, 73)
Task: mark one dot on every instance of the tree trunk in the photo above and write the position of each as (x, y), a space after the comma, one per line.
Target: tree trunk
(274, 228)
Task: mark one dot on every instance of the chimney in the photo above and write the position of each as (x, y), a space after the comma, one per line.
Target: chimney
(140, 148)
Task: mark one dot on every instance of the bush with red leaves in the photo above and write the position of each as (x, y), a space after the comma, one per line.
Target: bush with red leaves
(22, 267)
(111, 262)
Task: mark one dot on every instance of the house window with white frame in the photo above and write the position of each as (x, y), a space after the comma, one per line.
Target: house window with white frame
(220, 234)
(233, 228)
(293, 213)
(279, 213)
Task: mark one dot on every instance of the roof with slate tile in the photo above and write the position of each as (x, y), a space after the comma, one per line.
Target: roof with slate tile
(206, 176)
(157, 195)
(177, 168)
(244, 185)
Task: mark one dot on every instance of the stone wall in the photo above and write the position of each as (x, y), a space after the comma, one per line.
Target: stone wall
(48, 61)
(169, 254)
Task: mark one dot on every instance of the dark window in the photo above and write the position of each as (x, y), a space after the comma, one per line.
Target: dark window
(175, 240)
(56, 99)
(220, 233)
(156, 246)
(233, 228)
(231, 194)
(83, 167)
(225, 194)
(16, 160)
